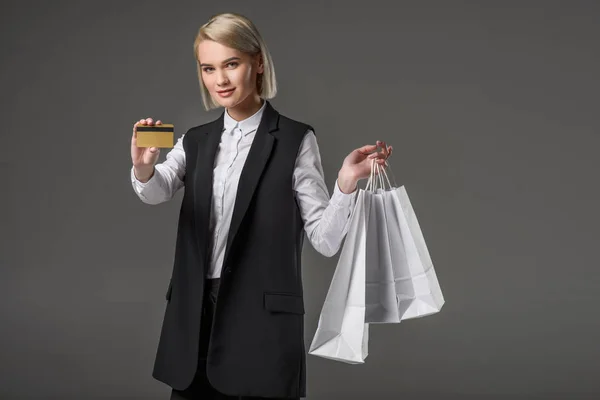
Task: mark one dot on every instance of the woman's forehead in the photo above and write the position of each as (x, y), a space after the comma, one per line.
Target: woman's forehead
(211, 52)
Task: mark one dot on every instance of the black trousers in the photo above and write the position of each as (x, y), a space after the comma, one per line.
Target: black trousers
(201, 389)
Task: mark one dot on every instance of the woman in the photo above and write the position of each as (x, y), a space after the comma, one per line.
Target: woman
(233, 325)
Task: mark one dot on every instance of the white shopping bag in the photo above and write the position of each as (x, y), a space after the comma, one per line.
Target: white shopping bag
(342, 333)
(418, 290)
(384, 273)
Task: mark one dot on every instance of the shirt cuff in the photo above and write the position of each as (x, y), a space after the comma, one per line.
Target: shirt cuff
(340, 198)
(139, 183)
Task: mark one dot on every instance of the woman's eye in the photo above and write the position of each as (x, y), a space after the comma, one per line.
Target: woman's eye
(232, 64)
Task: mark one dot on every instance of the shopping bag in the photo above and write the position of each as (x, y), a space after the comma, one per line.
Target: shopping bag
(417, 289)
(384, 273)
(342, 333)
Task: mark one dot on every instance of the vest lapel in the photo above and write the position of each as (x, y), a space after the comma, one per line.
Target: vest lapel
(203, 186)
(258, 156)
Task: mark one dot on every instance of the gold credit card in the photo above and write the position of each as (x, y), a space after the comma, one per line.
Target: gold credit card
(155, 135)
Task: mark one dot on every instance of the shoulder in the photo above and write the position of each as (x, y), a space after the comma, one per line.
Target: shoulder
(299, 126)
(193, 132)
(205, 126)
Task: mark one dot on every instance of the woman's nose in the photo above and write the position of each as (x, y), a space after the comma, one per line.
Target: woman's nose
(222, 79)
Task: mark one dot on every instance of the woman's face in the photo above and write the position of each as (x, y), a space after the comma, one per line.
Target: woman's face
(228, 74)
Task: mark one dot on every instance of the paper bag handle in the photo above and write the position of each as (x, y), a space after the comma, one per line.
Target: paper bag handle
(376, 178)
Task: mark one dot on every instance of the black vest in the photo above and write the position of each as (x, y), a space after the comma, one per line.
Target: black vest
(257, 341)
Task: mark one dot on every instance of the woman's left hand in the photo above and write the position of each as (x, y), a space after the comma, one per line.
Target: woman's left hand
(357, 165)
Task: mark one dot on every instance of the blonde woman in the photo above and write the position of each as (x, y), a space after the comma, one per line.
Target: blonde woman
(234, 321)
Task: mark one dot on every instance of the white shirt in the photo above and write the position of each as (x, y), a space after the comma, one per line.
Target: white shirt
(325, 219)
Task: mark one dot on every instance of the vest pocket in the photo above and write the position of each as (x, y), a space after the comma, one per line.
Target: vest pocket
(284, 302)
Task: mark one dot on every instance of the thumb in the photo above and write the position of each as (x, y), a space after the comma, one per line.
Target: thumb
(153, 149)
(367, 149)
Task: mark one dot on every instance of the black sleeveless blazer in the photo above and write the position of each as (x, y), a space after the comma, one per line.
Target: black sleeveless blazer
(257, 341)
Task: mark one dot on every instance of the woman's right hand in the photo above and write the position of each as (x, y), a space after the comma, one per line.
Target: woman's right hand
(143, 158)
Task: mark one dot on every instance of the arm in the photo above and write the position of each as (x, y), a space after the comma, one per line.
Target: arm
(166, 180)
(326, 220)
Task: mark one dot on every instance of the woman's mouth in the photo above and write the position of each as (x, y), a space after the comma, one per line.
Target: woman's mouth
(225, 93)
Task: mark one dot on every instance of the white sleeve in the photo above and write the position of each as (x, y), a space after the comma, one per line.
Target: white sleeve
(167, 179)
(326, 220)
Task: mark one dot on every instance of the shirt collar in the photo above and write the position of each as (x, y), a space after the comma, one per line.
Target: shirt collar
(247, 125)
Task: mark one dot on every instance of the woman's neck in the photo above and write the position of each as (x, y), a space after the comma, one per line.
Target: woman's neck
(247, 108)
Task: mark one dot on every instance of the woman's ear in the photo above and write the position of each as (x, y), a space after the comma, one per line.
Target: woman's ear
(260, 66)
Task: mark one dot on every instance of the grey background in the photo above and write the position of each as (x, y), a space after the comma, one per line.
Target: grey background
(491, 107)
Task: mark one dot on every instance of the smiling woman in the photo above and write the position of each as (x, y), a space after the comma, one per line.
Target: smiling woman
(232, 68)
(233, 327)
(233, 80)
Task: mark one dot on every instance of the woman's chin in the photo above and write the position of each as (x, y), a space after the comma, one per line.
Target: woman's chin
(226, 102)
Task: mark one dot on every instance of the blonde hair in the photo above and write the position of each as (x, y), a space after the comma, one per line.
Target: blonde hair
(237, 32)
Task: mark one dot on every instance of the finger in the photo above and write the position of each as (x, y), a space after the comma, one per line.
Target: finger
(368, 149)
(158, 122)
(143, 121)
(384, 149)
(379, 144)
(153, 149)
(379, 154)
(149, 121)
(388, 152)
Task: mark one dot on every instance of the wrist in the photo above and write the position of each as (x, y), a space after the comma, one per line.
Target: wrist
(143, 174)
(346, 181)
